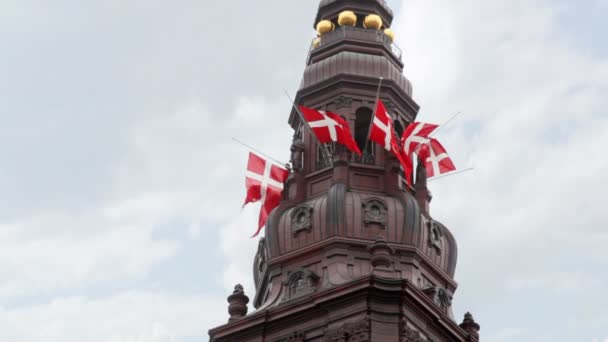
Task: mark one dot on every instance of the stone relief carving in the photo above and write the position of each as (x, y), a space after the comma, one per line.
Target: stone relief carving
(301, 220)
(350, 332)
(375, 212)
(300, 283)
(435, 235)
(295, 337)
(259, 263)
(410, 335)
(343, 101)
(440, 296)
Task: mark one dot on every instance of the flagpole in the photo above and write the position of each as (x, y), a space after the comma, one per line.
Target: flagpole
(371, 122)
(258, 152)
(451, 174)
(428, 139)
(327, 153)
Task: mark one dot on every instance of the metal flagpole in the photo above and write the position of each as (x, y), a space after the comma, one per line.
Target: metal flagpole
(371, 123)
(258, 152)
(451, 174)
(326, 149)
(435, 131)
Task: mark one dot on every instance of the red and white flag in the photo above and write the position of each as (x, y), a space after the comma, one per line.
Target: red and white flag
(416, 134)
(436, 159)
(382, 129)
(329, 127)
(265, 183)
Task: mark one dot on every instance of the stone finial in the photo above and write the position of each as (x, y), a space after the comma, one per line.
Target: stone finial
(237, 301)
(381, 253)
(470, 326)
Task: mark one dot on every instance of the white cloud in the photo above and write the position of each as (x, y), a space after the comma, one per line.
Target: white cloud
(534, 127)
(125, 317)
(57, 252)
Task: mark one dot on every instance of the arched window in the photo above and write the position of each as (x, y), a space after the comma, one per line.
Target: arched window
(398, 128)
(362, 122)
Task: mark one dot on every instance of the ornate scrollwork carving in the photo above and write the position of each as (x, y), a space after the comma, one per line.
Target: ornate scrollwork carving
(301, 219)
(300, 283)
(375, 212)
(343, 101)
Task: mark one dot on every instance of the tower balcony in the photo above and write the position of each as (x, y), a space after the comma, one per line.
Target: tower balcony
(355, 39)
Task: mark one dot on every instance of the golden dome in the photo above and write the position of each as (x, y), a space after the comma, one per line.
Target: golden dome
(325, 26)
(347, 18)
(390, 34)
(316, 42)
(372, 21)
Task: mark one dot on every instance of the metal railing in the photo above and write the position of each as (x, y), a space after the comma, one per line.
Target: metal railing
(357, 34)
(365, 159)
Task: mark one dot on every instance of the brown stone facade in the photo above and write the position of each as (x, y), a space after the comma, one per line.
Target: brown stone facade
(352, 253)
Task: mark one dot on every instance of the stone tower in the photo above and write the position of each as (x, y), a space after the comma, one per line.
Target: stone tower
(352, 253)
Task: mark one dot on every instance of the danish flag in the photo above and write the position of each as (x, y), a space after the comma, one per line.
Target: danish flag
(382, 128)
(415, 135)
(329, 127)
(382, 133)
(436, 158)
(264, 182)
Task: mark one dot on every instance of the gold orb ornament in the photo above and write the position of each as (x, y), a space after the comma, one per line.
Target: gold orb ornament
(347, 18)
(390, 34)
(325, 26)
(316, 42)
(372, 21)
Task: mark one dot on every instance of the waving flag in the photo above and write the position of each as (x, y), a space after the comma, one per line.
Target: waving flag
(328, 127)
(436, 159)
(416, 134)
(382, 133)
(382, 129)
(265, 183)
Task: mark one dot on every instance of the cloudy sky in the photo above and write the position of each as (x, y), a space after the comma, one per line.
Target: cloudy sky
(120, 188)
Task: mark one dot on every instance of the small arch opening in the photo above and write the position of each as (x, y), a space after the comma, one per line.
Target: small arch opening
(398, 128)
(363, 118)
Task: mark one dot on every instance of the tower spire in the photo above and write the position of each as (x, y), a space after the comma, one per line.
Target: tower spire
(352, 252)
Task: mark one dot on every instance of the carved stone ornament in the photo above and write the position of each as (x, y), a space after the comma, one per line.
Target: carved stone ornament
(443, 299)
(301, 220)
(259, 263)
(343, 101)
(300, 283)
(295, 337)
(410, 335)
(350, 332)
(440, 296)
(435, 235)
(375, 212)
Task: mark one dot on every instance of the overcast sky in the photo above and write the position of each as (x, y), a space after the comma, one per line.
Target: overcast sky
(120, 189)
